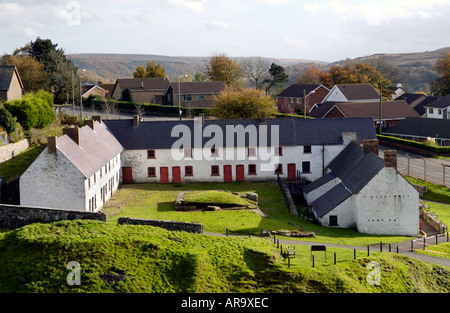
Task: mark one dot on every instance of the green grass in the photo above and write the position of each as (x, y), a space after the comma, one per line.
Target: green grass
(156, 201)
(150, 259)
(434, 192)
(441, 250)
(442, 210)
(215, 197)
(15, 167)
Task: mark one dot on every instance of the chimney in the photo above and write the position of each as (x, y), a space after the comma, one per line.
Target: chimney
(370, 145)
(52, 143)
(73, 133)
(136, 120)
(348, 137)
(390, 158)
(90, 123)
(97, 118)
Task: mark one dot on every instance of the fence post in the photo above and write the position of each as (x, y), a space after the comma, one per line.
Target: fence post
(436, 239)
(381, 246)
(313, 260)
(249, 234)
(412, 245)
(397, 249)
(335, 258)
(274, 238)
(227, 232)
(354, 254)
(368, 250)
(424, 242)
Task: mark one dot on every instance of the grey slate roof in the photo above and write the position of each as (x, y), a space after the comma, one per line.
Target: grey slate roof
(421, 127)
(96, 149)
(6, 74)
(330, 199)
(319, 182)
(157, 134)
(358, 91)
(439, 103)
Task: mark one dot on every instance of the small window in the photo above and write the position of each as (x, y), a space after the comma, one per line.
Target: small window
(334, 220)
(188, 153)
(430, 110)
(306, 167)
(151, 172)
(151, 154)
(278, 151)
(439, 111)
(252, 169)
(279, 169)
(187, 98)
(215, 170)
(214, 152)
(307, 149)
(188, 171)
(201, 97)
(251, 152)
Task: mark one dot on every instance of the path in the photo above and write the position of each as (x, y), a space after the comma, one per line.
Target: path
(404, 248)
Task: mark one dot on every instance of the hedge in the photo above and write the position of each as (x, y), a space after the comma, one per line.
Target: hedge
(415, 144)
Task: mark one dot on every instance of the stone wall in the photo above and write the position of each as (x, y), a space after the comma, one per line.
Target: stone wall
(12, 149)
(15, 216)
(169, 225)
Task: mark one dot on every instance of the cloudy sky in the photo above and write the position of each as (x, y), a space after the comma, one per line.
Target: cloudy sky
(324, 30)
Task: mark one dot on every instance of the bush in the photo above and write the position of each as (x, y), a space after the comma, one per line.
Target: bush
(7, 121)
(415, 144)
(126, 95)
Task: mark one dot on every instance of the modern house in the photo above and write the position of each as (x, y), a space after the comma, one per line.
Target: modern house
(297, 96)
(193, 94)
(352, 93)
(391, 111)
(77, 171)
(419, 129)
(233, 150)
(438, 109)
(143, 90)
(95, 90)
(11, 86)
(362, 191)
(417, 101)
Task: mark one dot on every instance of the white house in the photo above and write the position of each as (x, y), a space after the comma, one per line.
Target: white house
(352, 93)
(439, 108)
(364, 192)
(77, 171)
(233, 150)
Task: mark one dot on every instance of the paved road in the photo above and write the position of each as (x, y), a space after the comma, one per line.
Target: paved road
(434, 169)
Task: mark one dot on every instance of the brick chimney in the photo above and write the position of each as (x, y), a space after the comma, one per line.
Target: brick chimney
(390, 158)
(73, 133)
(97, 118)
(90, 123)
(136, 120)
(370, 145)
(52, 143)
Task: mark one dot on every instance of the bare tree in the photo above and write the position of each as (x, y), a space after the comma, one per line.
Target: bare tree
(107, 107)
(139, 109)
(254, 69)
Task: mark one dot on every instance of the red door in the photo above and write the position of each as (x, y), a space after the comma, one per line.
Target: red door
(240, 173)
(227, 173)
(127, 175)
(164, 175)
(176, 176)
(292, 175)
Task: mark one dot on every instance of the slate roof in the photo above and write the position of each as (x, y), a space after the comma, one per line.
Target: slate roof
(439, 103)
(390, 109)
(420, 107)
(142, 84)
(421, 127)
(358, 91)
(6, 74)
(96, 148)
(296, 90)
(198, 87)
(157, 134)
(330, 200)
(319, 182)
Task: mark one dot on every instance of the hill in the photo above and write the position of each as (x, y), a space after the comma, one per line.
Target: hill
(127, 258)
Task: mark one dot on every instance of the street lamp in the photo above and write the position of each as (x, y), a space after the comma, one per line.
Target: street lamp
(179, 93)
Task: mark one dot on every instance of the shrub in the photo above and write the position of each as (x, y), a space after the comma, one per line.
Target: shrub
(7, 121)
(126, 95)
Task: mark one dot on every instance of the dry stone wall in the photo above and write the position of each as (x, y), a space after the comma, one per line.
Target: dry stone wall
(169, 225)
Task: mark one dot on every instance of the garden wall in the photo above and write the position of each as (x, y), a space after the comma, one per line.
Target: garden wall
(169, 225)
(15, 216)
(12, 149)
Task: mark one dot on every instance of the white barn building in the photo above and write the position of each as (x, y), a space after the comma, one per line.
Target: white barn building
(77, 171)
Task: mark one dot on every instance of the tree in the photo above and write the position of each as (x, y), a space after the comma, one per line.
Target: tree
(140, 72)
(126, 95)
(441, 85)
(254, 70)
(244, 103)
(7, 121)
(222, 68)
(277, 78)
(155, 70)
(310, 76)
(30, 70)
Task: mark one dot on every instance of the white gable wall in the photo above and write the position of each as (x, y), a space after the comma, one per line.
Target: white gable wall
(388, 205)
(335, 95)
(345, 213)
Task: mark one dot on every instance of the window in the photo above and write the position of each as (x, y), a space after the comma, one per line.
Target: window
(188, 153)
(251, 152)
(151, 154)
(214, 152)
(333, 220)
(151, 172)
(430, 110)
(307, 149)
(215, 170)
(188, 171)
(306, 167)
(187, 98)
(299, 100)
(439, 111)
(201, 97)
(278, 151)
(252, 169)
(279, 169)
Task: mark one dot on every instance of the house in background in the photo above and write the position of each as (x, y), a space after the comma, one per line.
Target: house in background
(391, 111)
(352, 93)
(397, 91)
(193, 94)
(143, 90)
(364, 192)
(417, 101)
(77, 171)
(293, 98)
(438, 109)
(419, 129)
(95, 90)
(11, 86)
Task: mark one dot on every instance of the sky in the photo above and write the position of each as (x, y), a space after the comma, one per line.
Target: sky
(320, 30)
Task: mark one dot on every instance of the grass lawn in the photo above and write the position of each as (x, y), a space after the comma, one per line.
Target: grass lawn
(15, 167)
(156, 201)
(442, 210)
(434, 192)
(215, 197)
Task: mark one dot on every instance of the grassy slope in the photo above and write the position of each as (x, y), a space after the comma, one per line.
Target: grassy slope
(34, 259)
